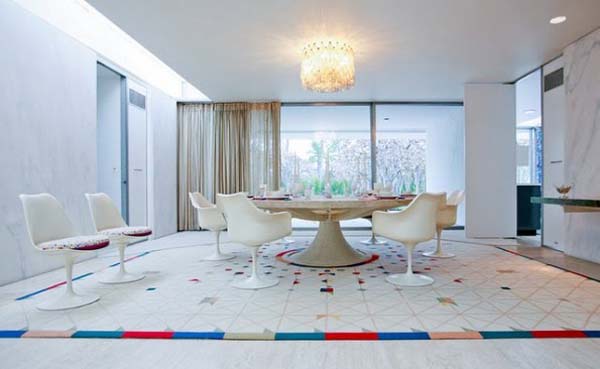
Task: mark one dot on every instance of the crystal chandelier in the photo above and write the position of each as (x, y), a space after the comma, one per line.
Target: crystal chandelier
(327, 66)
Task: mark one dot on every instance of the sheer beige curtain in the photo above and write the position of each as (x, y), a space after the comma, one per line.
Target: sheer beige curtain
(264, 158)
(232, 147)
(195, 158)
(226, 148)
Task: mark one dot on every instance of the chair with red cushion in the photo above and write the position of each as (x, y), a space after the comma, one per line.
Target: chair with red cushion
(109, 223)
(51, 232)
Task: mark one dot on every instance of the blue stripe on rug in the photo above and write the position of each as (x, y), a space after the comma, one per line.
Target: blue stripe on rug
(11, 334)
(403, 336)
(300, 336)
(97, 334)
(505, 334)
(198, 335)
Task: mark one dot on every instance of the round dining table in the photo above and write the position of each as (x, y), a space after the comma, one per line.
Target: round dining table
(329, 247)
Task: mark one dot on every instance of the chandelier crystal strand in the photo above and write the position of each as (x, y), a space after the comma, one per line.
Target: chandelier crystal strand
(328, 66)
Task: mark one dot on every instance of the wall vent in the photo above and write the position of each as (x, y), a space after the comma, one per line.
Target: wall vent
(553, 80)
(137, 99)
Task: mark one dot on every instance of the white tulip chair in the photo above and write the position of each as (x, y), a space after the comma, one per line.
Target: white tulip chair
(52, 233)
(373, 240)
(252, 227)
(211, 218)
(446, 218)
(108, 222)
(411, 226)
(285, 240)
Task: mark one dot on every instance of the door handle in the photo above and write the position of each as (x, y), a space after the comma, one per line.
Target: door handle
(137, 170)
(555, 161)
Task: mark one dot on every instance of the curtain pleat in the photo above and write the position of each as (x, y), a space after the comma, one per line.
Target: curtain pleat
(232, 147)
(195, 168)
(225, 148)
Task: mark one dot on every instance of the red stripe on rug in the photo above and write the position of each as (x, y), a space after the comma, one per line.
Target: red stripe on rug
(558, 334)
(351, 336)
(148, 334)
(56, 285)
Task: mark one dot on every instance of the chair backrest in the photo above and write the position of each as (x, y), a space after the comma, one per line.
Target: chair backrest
(199, 201)
(421, 215)
(239, 212)
(208, 215)
(456, 198)
(105, 213)
(45, 218)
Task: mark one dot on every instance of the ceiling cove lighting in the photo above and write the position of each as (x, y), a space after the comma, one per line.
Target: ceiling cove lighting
(91, 28)
(327, 66)
(558, 20)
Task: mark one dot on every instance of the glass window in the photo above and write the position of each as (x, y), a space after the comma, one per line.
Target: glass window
(421, 148)
(418, 147)
(326, 148)
(529, 129)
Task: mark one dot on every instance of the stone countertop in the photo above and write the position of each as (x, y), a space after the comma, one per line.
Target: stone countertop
(591, 203)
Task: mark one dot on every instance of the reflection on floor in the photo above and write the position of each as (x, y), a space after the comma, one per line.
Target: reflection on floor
(558, 259)
(483, 289)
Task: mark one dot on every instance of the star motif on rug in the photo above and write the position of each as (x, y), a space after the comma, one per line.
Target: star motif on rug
(335, 316)
(209, 300)
(446, 301)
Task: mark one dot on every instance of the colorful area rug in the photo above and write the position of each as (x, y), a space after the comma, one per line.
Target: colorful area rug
(483, 293)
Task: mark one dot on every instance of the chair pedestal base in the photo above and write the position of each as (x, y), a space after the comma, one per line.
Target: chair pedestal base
(255, 282)
(373, 241)
(284, 241)
(68, 301)
(409, 280)
(119, 277)
(438, 254)
(122, 276)
(218, 257)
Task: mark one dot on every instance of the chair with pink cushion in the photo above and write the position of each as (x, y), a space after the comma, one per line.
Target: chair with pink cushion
(108, 222)
(51, 232)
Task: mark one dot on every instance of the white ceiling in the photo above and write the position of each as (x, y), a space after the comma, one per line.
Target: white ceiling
(405, 49)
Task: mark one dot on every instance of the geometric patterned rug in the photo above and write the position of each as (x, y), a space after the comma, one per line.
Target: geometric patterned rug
(482, 293)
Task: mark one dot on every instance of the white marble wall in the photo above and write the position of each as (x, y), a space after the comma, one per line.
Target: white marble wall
(47, 131)
(48, 136)
(162, 163)
(582, 143)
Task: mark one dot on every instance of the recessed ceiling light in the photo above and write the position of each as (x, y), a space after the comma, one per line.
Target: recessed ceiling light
(558, 20)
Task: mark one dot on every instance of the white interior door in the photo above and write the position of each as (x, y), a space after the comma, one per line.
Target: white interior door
(490, 161)
(137, 154)
(109, 145)
(554, 153)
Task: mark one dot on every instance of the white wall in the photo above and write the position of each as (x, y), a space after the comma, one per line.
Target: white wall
(162, 163)
(108, 132)
(491, 196)
(582, 143)
(48, 126)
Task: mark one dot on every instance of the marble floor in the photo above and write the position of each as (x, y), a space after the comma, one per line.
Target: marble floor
(484, 288)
